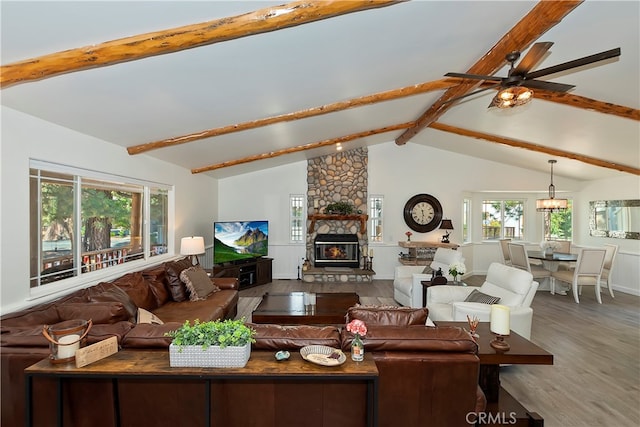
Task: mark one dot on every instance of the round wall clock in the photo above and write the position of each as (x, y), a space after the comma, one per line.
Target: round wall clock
(423, 213)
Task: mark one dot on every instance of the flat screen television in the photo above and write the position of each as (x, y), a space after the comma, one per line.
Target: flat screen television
(239, 240)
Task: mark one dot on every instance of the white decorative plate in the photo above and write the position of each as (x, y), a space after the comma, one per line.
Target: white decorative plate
(323, 355)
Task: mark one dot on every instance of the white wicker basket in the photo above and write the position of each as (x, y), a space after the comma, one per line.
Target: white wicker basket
(212, 357)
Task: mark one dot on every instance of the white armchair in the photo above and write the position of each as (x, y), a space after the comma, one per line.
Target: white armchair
(407, 289)
(516, 289)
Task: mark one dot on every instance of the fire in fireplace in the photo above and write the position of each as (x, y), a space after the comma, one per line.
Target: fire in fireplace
(336, 250)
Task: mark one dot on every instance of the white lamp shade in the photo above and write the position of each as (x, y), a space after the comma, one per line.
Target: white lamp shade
(500, 319)
(192, 245)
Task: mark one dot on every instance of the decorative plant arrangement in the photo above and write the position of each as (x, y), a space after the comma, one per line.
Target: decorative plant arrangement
(216, 344)
(457, 269)
(408, 234)
(341, 208)
(549, 246)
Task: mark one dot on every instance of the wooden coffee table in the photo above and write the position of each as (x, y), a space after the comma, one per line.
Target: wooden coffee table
(522, 352)
(289, 309)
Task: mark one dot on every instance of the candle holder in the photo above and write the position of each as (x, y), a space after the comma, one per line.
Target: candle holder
(499, 344)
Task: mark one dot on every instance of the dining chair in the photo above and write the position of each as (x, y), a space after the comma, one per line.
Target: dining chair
(506, 257)
(609, 258)
(587, 272)
(519, 259)
(563, 246)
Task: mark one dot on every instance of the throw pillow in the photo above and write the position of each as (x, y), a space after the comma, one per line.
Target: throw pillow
(477, 296)
(198, 283)
(145, 316)
(427, 270)
(176, 286)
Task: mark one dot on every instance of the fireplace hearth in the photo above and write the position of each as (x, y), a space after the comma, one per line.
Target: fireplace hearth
(336, 250)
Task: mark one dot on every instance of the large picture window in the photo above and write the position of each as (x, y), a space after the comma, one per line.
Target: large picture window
(82, 223)
(502, 219)
(558, 225)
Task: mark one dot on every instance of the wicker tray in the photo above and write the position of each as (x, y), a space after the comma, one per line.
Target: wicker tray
(323, 355)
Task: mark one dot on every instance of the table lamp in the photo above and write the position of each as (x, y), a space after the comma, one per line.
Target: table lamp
(447, 225)
(192, 247)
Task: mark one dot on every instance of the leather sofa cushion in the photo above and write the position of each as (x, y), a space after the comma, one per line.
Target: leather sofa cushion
(146, 335)
(22, 336)
(278, 337)
(227, 300)
(98, 312)
(156, 278)
(203, 310)
(104, 331)
(138, 289)
(108, 292)
(176, 287)
(381, 315)
(414, 338)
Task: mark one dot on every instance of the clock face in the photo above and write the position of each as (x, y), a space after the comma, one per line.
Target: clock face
(423, 213)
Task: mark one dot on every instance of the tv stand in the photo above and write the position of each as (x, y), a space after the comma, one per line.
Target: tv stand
(251, 272)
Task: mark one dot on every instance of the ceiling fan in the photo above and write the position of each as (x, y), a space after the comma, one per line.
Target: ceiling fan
(516, 87)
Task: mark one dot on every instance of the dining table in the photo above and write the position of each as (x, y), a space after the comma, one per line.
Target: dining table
(551, 261)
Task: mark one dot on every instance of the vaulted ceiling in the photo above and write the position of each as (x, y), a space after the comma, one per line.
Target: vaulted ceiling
(225, 88)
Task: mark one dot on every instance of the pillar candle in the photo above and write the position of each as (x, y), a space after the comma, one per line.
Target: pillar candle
(371, 252)
(68, 350)
(500, 319)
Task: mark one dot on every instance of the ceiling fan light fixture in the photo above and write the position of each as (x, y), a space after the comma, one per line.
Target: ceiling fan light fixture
(512, 97)
(551, 204)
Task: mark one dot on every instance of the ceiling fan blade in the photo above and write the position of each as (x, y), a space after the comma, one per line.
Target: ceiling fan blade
(532, 58)
(471, 93)
(552, 86)
(473, 76)
(575, 63)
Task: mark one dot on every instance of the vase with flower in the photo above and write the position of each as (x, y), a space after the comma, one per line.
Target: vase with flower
(408, 234)
(457, 269)
(359, 330)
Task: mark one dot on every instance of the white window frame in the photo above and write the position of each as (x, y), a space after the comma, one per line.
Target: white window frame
(297, 222)
(80, 276)
(467, 231)
(502, 234)
(376, 218)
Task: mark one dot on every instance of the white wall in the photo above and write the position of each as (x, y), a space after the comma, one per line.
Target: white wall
(25, 137)
(265, 195)
(626, 268)
(400, 172)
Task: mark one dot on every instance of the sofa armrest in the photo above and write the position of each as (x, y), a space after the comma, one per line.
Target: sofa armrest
(447, 294)
(462, 309)
(408, 270)
(226, 283)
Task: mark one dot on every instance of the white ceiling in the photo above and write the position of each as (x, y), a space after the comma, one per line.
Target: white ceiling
(322, 63)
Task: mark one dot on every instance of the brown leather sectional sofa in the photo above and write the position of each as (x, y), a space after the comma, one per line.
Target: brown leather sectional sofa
(427, 376)
(112, 306)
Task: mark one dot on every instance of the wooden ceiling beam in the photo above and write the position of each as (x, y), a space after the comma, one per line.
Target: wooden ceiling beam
(534, 147)
(587, 104)
(181, 38)
(540, 19)
(304, 147)
(301, 114)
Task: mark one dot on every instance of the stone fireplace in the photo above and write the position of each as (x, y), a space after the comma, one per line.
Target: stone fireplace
(339, 177)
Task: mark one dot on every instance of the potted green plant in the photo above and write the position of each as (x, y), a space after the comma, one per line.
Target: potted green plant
(214, 344)
(341, 208)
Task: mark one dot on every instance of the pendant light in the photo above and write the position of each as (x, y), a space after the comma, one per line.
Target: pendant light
(551, 204)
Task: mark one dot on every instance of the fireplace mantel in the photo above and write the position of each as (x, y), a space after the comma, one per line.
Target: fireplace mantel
(330, 217)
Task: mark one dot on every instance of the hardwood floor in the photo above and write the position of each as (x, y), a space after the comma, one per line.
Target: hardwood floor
(595, 379)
